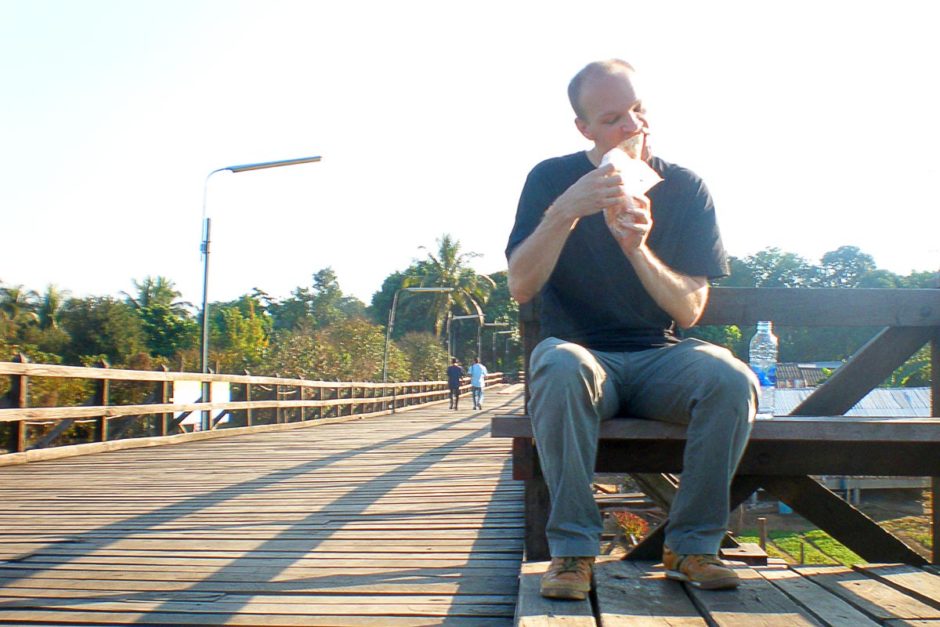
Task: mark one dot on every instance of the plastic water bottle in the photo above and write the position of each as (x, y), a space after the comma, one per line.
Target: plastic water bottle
(762, 357)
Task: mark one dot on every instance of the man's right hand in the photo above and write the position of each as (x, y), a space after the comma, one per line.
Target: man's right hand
(598, 189)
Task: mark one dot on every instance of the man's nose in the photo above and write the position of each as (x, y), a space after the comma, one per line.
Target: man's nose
(631, 124)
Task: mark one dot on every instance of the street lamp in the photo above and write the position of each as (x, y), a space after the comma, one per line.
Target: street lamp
(494, 347)
(204, 249)
(391, 318)
(494, 325)
(479, 317)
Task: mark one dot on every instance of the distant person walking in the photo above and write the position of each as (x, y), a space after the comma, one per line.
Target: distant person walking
(478, 374)
(454, 374)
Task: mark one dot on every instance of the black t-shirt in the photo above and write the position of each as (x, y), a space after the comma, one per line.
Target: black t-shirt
(593, 296)
(453, 376)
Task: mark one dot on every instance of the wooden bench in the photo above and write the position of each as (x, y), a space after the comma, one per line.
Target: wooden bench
(817, 438)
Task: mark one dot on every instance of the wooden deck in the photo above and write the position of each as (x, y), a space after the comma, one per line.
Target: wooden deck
(407, 519)
(637, 593)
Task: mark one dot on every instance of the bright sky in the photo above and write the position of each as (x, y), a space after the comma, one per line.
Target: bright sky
(815, 125)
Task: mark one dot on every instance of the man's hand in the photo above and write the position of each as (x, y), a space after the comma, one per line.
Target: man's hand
(598, 189)
(630, 222)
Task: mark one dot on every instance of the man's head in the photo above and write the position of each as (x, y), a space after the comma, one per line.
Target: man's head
(608, 105)
(454, 361)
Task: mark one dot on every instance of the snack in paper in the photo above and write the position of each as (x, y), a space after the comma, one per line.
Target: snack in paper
(638, 177)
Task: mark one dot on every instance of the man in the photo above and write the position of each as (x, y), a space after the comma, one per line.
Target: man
(611, 299)
(454, 374)
(478, 374)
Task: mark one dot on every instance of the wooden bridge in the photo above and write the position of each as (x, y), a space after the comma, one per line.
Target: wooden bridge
(311, 503)
(406, 519)
(409, 519)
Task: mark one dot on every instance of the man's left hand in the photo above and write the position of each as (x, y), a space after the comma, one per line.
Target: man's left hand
(631, 222)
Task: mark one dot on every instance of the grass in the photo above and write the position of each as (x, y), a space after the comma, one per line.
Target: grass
(818, 547)
(910, 528)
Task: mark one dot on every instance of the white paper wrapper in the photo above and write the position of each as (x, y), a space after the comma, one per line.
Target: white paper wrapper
(638, 177)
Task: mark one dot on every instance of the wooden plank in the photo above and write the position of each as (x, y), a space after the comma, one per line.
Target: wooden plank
(879, 600)
(638, 594)
(915, 582)
(819, 307)
(827, 608)
(533, 610)
(161, 619)
(881, 429)
(755, 602)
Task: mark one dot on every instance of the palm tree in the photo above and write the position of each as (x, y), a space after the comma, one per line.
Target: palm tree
(449, 268)
(157, 291)
(17, 307)
(50, 305)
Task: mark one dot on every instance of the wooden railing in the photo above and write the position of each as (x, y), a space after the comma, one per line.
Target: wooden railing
(149, 406)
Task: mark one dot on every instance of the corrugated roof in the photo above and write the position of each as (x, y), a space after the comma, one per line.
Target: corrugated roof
(878, 402)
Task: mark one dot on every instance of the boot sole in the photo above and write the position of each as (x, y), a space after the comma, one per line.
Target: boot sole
(726, 583)
(568, 594)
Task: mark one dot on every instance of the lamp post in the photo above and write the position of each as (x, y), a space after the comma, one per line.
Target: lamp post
(494, 347)
(479, 317)
(494, 325)
(391, 318)
(204, 249)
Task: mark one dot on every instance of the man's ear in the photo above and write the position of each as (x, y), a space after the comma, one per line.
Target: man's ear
(583, 128)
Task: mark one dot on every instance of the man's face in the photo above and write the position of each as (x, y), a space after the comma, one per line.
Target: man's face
(613, 111)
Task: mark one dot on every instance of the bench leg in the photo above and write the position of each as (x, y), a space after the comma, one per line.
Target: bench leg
(537, 506)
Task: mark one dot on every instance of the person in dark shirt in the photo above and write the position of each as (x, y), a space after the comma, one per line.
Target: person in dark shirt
(454, 374)
(617, 273)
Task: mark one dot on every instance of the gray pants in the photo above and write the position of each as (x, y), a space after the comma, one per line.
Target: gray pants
(696, 383)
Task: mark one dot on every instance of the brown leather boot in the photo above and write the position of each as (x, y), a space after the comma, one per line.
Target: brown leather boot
(568, 578)
(702, 571)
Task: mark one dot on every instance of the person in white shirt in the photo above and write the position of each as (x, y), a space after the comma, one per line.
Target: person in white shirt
(477, 382)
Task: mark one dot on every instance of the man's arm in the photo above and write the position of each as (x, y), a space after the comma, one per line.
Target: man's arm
(532, 262)
(682, 297)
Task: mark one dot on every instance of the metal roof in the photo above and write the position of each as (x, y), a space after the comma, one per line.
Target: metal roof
(878, 402)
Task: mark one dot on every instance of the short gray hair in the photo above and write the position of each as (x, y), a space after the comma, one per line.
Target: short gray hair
(596, 68)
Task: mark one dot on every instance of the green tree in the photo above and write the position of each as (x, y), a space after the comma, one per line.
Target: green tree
(169, 327)
(448, 267)
(427, 358)
(102, 326)
(845, 267)
(17, 311)
(240, 334)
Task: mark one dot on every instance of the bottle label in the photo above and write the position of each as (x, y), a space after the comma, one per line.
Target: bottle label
(767, 376)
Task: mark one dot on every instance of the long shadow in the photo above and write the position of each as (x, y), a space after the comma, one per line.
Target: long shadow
(273, 566)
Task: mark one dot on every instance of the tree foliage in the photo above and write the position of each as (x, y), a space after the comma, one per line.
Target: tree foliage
(318, 332)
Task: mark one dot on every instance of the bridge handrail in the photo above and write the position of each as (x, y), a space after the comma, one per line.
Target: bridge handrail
(313, 400)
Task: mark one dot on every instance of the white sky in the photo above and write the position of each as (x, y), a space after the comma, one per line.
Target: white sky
(815, 125)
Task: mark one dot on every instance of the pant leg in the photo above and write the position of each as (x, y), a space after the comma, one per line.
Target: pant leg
(480, 400)
(706, 387)
(571, 393)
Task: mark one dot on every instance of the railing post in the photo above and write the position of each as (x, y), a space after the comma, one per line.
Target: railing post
(102, 392)
(935, 412)
(277, 397)
(19, 395)
(302, 395)
(248, 417)
(165, 393)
